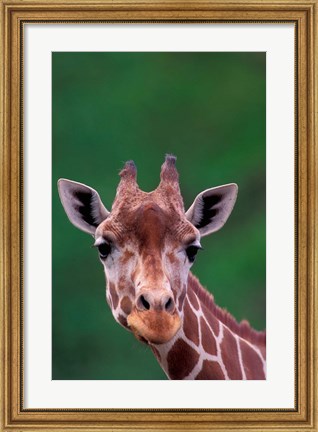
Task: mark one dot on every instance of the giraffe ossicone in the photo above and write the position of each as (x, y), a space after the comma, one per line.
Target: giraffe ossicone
(147, 244)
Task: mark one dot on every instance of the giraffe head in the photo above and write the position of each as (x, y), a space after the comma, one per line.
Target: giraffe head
(147, 244)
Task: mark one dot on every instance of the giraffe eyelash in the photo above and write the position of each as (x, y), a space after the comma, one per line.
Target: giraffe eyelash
(104, 248)
(192, 250)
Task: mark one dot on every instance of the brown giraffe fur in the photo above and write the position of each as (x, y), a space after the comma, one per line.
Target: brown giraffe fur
(222, 347)
(143, 244)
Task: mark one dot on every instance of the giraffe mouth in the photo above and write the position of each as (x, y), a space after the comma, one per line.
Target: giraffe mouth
(154, 327)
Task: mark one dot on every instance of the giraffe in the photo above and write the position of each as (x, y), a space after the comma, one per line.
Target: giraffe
(147, 244)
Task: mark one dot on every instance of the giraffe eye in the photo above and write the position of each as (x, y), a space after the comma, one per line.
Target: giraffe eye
(104, 250)
(191, 252)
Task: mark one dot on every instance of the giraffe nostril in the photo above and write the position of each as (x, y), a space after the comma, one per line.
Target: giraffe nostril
(147, 301)
(169, 305)
(142, 303)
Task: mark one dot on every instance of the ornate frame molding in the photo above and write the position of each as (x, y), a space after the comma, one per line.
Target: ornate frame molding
(14, 14)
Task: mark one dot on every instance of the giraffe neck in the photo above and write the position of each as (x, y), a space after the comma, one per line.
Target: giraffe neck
(211, 344)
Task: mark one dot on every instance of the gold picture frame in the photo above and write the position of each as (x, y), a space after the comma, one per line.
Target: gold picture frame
(14, 416)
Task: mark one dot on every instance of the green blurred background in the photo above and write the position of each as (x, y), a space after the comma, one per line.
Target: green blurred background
(206, 108)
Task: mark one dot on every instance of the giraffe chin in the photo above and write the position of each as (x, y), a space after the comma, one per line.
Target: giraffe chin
(154, 327)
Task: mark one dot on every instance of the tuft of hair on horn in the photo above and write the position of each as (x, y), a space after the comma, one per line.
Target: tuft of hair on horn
(170, 159)
(168, 170)
(129, 171)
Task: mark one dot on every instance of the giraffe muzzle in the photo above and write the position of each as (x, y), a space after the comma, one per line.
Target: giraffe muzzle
(156, 327)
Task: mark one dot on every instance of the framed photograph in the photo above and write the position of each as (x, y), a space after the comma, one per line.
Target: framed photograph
(159, 199)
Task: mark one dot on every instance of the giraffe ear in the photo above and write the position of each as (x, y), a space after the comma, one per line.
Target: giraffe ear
(82, 205)
(212, 207)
